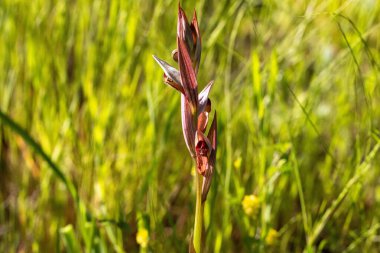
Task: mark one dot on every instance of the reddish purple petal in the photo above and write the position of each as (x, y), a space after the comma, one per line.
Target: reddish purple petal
(187, 73)
(212, 133)
(201, 138)
(195, 27)
(184, 31)
(188, 127)
(198, 47)
(207, 182)
(202, 122)
(202, 151)
(212, 136)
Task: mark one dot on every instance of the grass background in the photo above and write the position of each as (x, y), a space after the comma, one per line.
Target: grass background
(91, 148)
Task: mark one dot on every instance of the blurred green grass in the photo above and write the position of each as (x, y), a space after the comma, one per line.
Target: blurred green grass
(296, 89)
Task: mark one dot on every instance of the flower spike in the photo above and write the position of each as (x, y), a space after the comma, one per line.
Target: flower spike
(195, 110)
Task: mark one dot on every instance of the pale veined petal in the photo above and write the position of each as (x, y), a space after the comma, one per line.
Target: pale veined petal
(171, 73)
(203, 97)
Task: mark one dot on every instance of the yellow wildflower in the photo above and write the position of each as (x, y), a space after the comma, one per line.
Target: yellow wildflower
(237, 163)
(251, 204)
(271, 237)
(142, 237)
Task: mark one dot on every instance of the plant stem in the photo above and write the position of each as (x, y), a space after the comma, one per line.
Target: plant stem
(197, 239)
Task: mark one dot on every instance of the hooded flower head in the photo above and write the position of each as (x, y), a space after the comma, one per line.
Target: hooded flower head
(189, 34)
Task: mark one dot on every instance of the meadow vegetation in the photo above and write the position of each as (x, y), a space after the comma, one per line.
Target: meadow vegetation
(92, 156)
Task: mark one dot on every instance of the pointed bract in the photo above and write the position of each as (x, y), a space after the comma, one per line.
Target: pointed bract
(188, 127)
(188, 78)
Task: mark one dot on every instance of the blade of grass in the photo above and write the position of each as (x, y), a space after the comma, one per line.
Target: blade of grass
(39, 150)
(69, 239)
(360, 172)
(296, 172)
(228, 103)
(371, 232)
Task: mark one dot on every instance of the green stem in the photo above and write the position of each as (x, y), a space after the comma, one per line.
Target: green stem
(197, 240)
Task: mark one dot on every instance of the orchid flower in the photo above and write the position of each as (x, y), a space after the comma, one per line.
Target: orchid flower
(195, 107)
